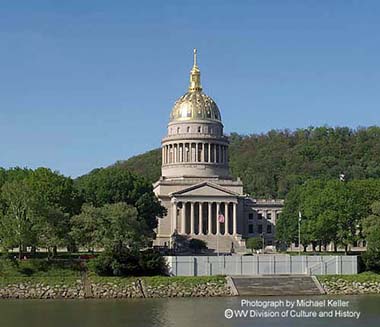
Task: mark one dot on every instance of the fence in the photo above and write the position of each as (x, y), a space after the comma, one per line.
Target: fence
(261, 265)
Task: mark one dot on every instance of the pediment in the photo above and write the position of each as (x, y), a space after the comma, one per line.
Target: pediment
(205, 189)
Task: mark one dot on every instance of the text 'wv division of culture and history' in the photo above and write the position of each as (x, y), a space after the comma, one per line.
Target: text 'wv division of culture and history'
(292, 308)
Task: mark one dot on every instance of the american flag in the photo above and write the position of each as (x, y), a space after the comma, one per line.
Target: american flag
(221, 218)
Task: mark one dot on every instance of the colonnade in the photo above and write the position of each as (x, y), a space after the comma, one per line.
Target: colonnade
(203, 218)
(194, 152)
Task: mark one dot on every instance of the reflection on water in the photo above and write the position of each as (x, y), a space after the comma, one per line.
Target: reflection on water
(165, 312)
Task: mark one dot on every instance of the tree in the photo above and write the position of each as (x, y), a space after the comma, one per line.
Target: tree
(18, 217)
(35, 208)
(123, 237)
(287, 225)
(371, 230)
(254, 243)
(112, 227)
(57, 201)
(331, 212)
(115, 184)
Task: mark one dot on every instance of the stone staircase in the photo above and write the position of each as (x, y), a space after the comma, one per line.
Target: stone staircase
(276, 285)
(223, 243)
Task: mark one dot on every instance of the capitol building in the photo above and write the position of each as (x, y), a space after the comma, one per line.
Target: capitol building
(202, 199)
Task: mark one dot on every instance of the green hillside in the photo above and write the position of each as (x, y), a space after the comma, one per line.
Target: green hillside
(271, 163)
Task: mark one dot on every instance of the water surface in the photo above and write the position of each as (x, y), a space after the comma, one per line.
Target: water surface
(184, 312)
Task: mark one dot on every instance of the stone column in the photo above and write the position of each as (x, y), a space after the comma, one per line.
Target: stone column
(209, 218)
(196, 152)
(183, 218)
(200, 231)
(226, 223)
(174, 215)
(217, 220)
(209, 152)
(175, 153)
(215, 152)
(234, 221)
(192, 219)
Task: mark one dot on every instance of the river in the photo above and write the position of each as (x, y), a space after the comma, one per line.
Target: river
(187, 312)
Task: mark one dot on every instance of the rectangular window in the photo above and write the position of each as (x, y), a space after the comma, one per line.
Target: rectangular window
(260, 229)
(250, 229)
(269, 216)
(269, 229)
(259, 215)
(250, 216)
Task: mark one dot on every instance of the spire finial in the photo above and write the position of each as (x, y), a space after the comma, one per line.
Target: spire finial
(195, 75)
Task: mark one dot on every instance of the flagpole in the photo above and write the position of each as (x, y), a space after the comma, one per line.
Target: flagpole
(299, 232)
(217, 243)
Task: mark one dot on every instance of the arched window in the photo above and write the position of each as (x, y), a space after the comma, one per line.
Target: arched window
(199, 129)
(178, 130)
(188, 129)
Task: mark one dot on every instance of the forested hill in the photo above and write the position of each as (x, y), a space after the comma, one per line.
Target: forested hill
(271, 163)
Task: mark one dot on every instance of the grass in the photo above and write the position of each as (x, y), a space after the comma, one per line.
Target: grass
(38, 268)
(160, 280)
(362, 277)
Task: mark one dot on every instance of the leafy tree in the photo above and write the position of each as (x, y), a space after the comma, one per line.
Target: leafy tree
(113, 185)
(254, 243)
(287, 226)
(371, 229)
(35, 208)
(18, 217)
(57, 201)
(113, 227)
(331, 211)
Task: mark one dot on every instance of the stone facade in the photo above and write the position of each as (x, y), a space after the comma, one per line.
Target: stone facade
(203, 201)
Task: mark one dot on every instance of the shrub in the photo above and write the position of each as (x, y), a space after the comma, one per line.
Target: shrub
(197, 245)
(128, 263)
(254, 243)
(371, 260)
(152, 264)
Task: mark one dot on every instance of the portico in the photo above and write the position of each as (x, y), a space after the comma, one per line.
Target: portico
(193, 217)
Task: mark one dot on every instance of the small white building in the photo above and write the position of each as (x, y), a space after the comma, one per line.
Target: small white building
(203, 201)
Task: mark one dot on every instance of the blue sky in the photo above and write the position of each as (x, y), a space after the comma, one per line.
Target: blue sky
(86, 83)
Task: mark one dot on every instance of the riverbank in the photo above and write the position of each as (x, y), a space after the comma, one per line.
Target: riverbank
(113, 287)
(92, 286)
(364, 283)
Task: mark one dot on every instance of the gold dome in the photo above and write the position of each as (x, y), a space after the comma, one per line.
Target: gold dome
(195, 105)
